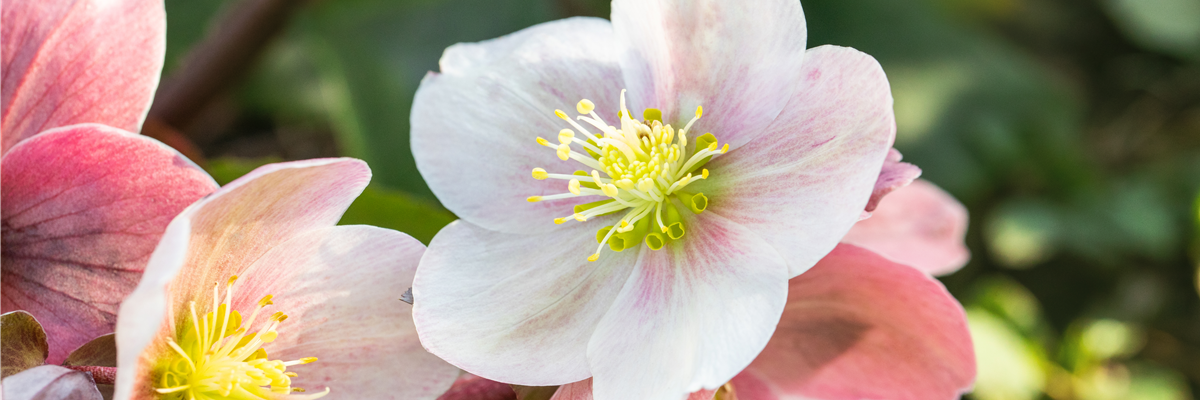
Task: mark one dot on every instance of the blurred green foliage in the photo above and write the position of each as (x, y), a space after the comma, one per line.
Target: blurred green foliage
(1069, 128)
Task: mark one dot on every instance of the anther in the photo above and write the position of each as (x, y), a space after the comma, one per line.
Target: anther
(564, 152)
(266, 301)
(573, 186)
(699, 111)
(533, 199)
(544, 142)
(562, 114)
(585, 106)
(540, 174)
(565, 136)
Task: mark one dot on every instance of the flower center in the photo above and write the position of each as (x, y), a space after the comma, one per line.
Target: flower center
(218, 359)
(642, 167)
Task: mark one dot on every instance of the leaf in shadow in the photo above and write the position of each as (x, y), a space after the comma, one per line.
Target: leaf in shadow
(22, 343)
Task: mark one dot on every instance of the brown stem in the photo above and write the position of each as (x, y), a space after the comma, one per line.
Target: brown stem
(215, 63)
(102, 375)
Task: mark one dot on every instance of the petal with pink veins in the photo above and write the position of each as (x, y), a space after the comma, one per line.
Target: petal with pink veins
(895, 175)
(50, 382)
(737, 59)
(339, 287)
(804, 182)
(475, 124)
(84, 207)
(78, 61)
(691, 316)
(516, 308)
(858, 326)
(222, 235)
(919, 225)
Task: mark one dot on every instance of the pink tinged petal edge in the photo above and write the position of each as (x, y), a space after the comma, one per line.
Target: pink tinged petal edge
(516, 308)
(222, 235)
(858, 326)
(50, 382)
(473, 387)
(735, 58)
(84, 207)
(919, 225)
(804, 183)
(475, 124)
(340, 287)
(691, 316)
(895, 175)
(77, 61)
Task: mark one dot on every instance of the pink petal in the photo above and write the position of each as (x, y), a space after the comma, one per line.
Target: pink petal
(737, 59)
(919, 225)
(475, 125)
(76, 61)
(805, 180)
(339, 287)
(83, 208)
(691, 316)
(222, 235)
(472, 387)
(858, 326)
(895, 175)
(516, 308)
(50, 382)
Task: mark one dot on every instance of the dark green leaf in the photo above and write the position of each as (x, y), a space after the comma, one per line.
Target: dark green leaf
(100, 352)
(22, 343)
(418, 217)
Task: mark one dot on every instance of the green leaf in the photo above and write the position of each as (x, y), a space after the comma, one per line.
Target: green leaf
(1172, 26)
(373, 54)
(100, 352)
(534, 392)
(418, 217)
(22, 343)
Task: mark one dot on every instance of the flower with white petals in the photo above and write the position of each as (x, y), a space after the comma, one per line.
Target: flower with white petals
(254, 281)
(713, 158)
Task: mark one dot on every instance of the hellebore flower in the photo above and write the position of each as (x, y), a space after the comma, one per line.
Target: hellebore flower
(856, 326)
(85, 201)
(256, 279)
(660, 267)
(859, 326)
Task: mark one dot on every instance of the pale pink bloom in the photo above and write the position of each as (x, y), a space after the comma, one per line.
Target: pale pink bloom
(507, 294)
(268, 242)
(84, 200)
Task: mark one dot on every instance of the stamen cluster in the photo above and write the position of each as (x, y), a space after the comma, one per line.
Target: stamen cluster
(218, 359)
(640, 166)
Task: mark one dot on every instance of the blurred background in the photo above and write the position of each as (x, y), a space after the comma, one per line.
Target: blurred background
(1069, 128)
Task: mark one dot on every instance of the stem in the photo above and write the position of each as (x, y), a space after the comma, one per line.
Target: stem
(222, 57)
(102, 375)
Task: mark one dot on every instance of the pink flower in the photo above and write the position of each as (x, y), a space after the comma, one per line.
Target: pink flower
(798, 138)
(301, 290)
(919, 225)
(85, 200)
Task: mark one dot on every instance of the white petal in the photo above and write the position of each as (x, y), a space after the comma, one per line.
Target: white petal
(804, 182)
(221, 235)
(340, 287)
(474, 126)
(691, 316)
(737, 59)
(516, 308)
